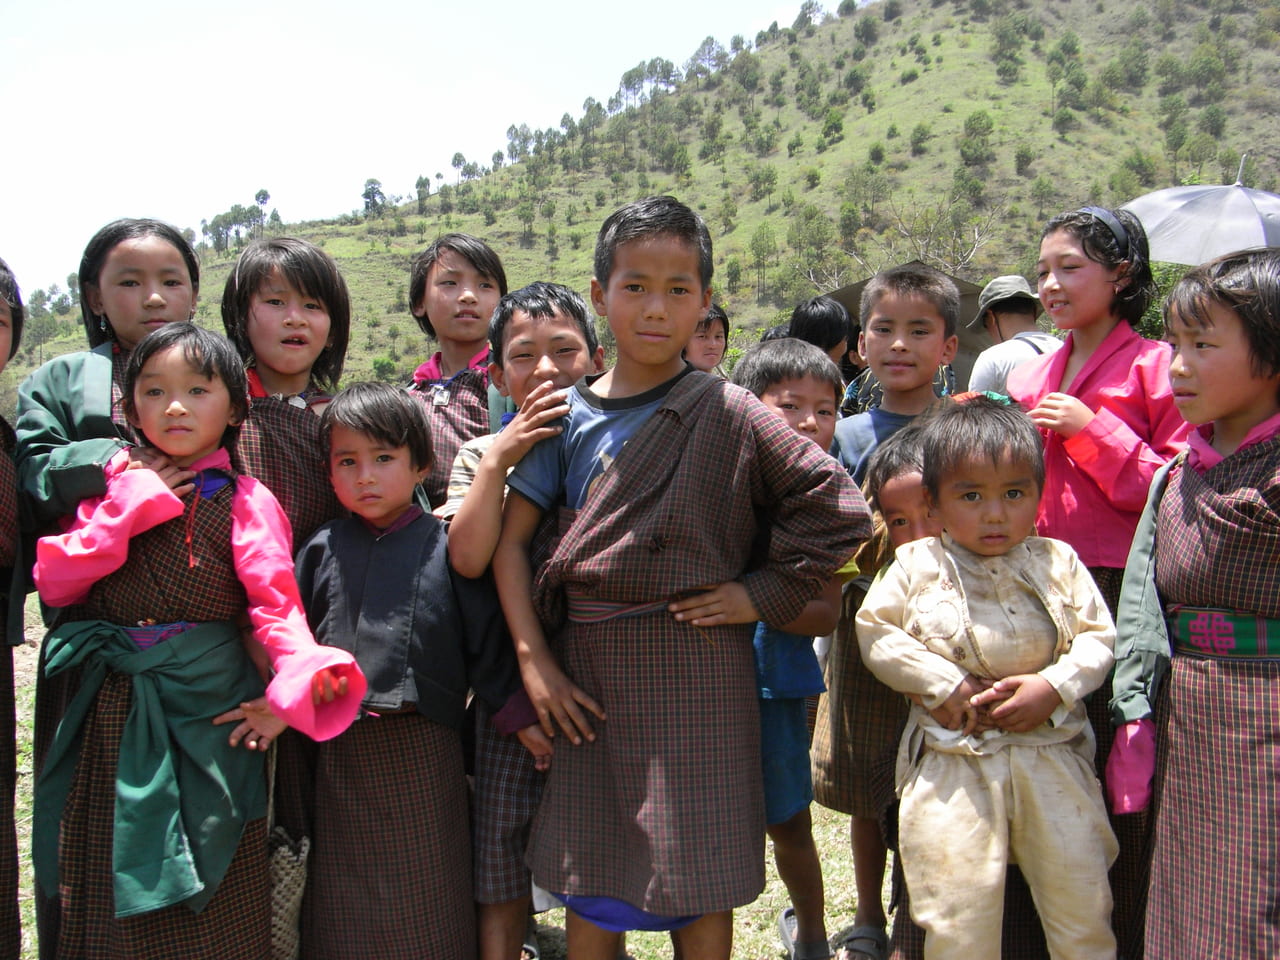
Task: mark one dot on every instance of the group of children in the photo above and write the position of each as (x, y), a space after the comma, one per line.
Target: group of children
(606, 617)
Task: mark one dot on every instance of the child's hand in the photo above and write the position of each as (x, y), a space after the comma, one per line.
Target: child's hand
(531, 424)
(176, 478)
(258, 726)
(724, 603)
(538, 744)
(558, 699)
(1061, 413)
(1028, 701)
(958, 712)
(326, 687)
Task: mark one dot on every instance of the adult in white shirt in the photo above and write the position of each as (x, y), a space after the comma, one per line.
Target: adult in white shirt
(1007, 309)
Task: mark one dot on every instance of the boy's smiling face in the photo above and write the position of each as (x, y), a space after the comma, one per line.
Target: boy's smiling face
(537, 349)
(905, 341)
(653, 300)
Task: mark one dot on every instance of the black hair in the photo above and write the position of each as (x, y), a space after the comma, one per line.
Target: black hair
(914, 280)
(979, 429)
(97, 327)
(472, 249)
(649, 218)
(11, 295)
(1113, 238)
(822, 321)
(779, 332)
(900, 454)
(384, 412)
(540, 300)
(1247, 284)
(210, 354)
(310, 271)
(787, 359)
(715, 314)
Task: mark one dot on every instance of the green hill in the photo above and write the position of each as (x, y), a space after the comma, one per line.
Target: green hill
(945, 130)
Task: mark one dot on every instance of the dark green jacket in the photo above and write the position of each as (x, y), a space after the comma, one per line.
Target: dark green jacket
(65, 435)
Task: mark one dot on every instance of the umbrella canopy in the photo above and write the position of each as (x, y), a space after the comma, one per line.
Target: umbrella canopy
(1192, 225)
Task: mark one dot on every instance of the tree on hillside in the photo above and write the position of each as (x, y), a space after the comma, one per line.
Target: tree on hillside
(375, 200)
(261, 198)
(809, 12)
(458, 162)
(423, 188)
(947, 234)
(866, 29)
(764, 249)
(706, 60)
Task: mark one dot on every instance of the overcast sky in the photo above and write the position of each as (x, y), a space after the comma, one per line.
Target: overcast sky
(165, 109)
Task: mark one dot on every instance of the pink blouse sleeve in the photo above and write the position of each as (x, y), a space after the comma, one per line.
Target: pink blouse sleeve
(261, 545)
(1121, 460)
(97, 542)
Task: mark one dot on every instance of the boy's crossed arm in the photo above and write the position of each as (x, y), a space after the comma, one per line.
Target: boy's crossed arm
(555, 697)
(475, 528)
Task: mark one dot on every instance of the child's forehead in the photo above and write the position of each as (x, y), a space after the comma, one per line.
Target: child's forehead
(901, 491)
(450, 261)
(343, 438)
(275, 279)
(662, 255)
(1005, 468)
(806, 383)
(524, 326)
(172, 361)
(905, 308)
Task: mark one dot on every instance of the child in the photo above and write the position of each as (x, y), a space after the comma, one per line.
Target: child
(285, 307)
(390, 872)
(1204, 557)
(860, 720)
(11, 573)
(149, 821)
(453, 287)
(908, 318)
(134, 276)
(1106, 413)
(824, 322)
(654, 817)
(542, 342)
(799, 383)
(999, 634)
(709, 341)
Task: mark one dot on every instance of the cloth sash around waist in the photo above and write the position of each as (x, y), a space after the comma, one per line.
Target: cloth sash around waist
(183, 794)
(1223, 635)
(585, 609)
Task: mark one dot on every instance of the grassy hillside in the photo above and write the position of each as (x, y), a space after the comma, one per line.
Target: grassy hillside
(822, 151)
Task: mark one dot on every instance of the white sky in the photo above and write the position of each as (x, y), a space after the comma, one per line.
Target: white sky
(157, 108)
